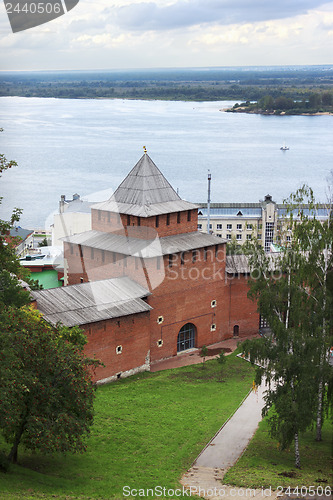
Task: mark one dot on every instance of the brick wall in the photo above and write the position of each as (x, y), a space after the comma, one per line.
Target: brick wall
(162, 225)
(131, 333)
(242, 311)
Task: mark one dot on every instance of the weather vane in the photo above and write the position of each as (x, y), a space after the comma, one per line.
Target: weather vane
(145, 149)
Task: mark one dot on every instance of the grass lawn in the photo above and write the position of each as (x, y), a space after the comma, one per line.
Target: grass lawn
(264, 465)
(148, 430)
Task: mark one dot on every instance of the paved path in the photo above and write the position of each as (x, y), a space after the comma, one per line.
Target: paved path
(206, 475)
(230, 442)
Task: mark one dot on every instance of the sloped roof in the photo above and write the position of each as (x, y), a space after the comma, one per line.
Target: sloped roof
(20, 232)
(125, 245)
(145, 192)
(239, 264)
(90, 302)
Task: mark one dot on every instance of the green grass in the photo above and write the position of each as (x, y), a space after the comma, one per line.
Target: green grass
(264, 465)
(148, 430)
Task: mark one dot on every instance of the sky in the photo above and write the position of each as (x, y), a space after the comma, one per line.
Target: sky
(118, 34)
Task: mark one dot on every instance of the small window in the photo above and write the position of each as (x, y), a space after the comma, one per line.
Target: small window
(125, 261)
(168, 220)
(229, 227)
(213, 327)
(249, 236)
(259, 236)
(109, 216)
(159, 343)
(99, 214)
(139, 221)
(170, 260)
(199, 226)
(182, 260)
(92, 253)
(81, 280)
(119, 349)
(219, 226)
(288, 238)
(114, 257)
(194, 256)
(239, 227)
(128, 220)
(205, 253)
(160, 319)
(249, 227)
(103, 256)
(238, 236)
(213, 303)
(188, 215)
(157, 221)
(228, 236)
(178, 217)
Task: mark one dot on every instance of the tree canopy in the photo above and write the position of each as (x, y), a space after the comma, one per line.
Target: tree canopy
(46, 387)
(293, 296)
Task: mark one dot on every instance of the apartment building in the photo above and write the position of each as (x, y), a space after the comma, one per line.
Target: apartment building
(244, 221)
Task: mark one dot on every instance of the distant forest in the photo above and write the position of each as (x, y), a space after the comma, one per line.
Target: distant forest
(297, 83)
(315, 102)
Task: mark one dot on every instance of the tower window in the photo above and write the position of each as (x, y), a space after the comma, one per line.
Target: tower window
(178, 217)
(168, 219)
(157, 222)
(188, 215)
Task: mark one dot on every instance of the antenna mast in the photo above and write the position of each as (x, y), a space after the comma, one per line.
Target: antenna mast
(208, 202)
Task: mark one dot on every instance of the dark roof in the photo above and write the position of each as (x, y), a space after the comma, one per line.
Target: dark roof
(146, 248)
(20, 232)
(145, 192)
(90, 302)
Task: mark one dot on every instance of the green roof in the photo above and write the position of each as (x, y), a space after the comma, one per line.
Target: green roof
(48, 278)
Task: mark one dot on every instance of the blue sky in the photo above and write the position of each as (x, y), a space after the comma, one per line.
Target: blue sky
(174, 33)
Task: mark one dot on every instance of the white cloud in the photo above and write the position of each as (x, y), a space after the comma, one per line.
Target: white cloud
(167, 34)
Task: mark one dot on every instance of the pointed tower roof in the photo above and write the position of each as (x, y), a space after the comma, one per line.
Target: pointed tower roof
(145, 192)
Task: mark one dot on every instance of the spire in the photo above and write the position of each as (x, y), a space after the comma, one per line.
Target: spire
(145, 185)
(145, 192)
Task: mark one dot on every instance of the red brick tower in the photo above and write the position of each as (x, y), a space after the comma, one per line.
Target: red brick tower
(146, 232)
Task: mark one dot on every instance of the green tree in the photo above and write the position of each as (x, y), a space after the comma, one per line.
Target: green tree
(203, 354)
(284, 358)
(11, 272)
(221, 359)
(313, 239)
(45, 380)
(294, 295)
(46, 389)
(43, 243)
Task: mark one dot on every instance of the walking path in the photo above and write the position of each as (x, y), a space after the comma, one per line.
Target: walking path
(204, 478)
(206, 475)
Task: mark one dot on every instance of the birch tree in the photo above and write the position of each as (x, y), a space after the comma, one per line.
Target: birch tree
(292, 292)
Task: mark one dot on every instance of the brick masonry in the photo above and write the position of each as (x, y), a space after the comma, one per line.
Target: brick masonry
(189, 287)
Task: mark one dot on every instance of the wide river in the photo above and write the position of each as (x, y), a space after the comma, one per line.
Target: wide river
(87, 146)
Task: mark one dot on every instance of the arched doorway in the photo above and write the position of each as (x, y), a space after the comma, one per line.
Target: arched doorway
(186, 337)
(236, 331)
